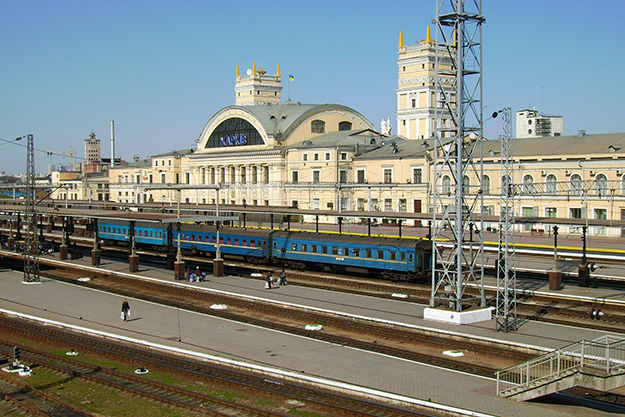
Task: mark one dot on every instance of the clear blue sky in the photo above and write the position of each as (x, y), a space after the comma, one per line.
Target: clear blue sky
(161, 69)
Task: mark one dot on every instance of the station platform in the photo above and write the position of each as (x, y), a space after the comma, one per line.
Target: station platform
(307, 358)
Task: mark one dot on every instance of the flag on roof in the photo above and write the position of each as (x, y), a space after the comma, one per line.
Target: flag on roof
(291, 78)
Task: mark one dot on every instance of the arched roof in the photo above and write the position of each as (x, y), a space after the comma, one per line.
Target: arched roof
(278, 120)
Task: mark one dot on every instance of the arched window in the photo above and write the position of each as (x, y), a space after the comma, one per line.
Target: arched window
(318, 126)
(345, 126)
(466, 185)
(486, 184)
(551, 184)
(601, 185)
(446, 185)
(575, 185)
(528, 184)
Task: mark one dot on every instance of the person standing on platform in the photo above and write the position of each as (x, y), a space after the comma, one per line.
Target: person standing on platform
(269, 283)
(282, 279)
(125, 310)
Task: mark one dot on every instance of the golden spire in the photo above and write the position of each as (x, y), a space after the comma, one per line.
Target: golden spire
(254, 68)
(278, 71)
(238, 72)
(428, 36)
(401, 39)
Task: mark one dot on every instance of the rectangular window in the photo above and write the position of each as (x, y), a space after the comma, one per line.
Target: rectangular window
(295, 176)
(388, 175)
(313, 248)
(327, 156)
(402, 205)
(294, 246)
(551, 212)
(315, 203)
(343, 176)
(305, 157)
(304, 247)
(388, 204)
(316, 176)
(360, 176)
(380, 254)
(316, 157)
(417, 175)
(576, 213)
(343, 156)
(368, 253)
(324, 249)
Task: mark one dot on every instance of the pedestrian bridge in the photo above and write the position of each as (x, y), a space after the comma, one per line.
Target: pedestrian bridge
(596, 364)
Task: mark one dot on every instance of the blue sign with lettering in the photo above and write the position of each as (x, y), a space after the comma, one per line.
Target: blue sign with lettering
(233, 140)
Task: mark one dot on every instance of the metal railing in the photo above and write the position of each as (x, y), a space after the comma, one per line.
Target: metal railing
(605, 354)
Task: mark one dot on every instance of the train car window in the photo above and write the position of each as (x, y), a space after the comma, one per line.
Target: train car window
(380, 254)
(265, 244)
(253, 243)
(221, 240)
(313, 248)
(244, 242)
(304, 247)
(402, 257)
(368, 253)
(229, 241)
(324, 249)
(236, 241)
(335, 250)
(392, 256)
(345, 252)
(410, 257)
(294, 246)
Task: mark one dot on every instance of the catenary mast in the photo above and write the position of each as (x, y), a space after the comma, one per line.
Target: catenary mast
(457, 213)
(31, 242)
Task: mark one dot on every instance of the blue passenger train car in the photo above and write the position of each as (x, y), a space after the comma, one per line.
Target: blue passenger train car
(150, 235)
(250, 244)
(393, 259)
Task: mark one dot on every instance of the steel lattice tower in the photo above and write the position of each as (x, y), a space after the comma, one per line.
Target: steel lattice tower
(31, 241)
(506, 262)
(458, 143)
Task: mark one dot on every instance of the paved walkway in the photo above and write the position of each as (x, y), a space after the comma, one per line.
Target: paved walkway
(304, 357)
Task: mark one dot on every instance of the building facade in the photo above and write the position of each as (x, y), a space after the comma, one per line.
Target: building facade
(531, 124)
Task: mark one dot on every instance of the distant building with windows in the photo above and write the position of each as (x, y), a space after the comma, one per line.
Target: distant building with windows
(531, 124)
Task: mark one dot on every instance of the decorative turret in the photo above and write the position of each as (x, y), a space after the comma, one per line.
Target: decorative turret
(256, 87)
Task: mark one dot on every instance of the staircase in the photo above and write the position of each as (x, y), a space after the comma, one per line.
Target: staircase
(597, 364)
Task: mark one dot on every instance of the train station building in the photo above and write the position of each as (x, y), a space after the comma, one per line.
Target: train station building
(263, 151)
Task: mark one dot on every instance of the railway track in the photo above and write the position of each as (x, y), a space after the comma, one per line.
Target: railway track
(283, 392)
(422, 346)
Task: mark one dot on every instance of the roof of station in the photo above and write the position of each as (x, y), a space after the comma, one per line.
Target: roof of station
(366, 139)
(284, 117)
(563, 146)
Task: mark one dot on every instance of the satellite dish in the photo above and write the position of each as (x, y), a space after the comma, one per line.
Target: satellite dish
(248, 72)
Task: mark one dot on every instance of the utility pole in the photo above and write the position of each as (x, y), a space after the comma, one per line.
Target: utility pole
(506, 255)
(31, 241)
(457, 141)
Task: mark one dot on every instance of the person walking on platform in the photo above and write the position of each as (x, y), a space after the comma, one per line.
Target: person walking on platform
(269, 283)
(282, 279)
(125, 310)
